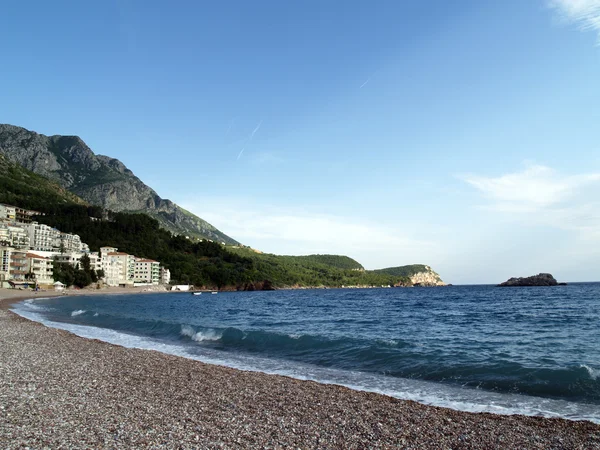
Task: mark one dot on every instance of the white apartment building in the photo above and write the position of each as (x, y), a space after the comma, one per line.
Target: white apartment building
(165, 276)
(147, 271)
(41, 268)
(69, 243)
(72, 258)
(4, 264)
(95, 261)
(14, 236)
(8, 212)
(42, 237)
(17, 265)
(118, 267)
(127, 267)
(111, 266)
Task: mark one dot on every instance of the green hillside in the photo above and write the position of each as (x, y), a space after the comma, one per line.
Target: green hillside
(20, 187)
(201, 263)
(338, 261)
(404, 271)
(316, 270)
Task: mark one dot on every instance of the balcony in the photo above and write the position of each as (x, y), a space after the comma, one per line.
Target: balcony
(17, 272)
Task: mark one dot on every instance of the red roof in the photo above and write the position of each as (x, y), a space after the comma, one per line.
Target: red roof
(33, 255)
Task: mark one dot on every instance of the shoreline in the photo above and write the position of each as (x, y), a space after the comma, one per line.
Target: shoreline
(60, 389)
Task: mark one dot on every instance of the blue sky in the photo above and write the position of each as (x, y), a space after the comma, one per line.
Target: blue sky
(463, 135)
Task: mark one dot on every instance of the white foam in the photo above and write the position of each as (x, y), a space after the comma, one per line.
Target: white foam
(32, 306)
(199, 336)
(429, 393)
(77, 312)
(593, 373)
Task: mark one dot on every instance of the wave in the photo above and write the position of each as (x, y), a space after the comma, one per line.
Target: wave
(455, 397)
(31, 305)
(199, 336)
(390, 357)
(593, 373)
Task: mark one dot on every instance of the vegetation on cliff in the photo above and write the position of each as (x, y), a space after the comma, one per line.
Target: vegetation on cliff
(99, 180)
(21, 187)
(318, 270)
(404, 271)
(205, 263)
(202, 263)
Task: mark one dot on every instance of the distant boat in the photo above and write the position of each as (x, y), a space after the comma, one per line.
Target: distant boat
(213, 292)
(197, 293)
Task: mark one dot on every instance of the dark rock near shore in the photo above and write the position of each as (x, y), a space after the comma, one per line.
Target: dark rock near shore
(542, 279)
(265, 285)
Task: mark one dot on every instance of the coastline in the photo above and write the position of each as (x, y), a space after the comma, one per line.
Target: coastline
(58, 389)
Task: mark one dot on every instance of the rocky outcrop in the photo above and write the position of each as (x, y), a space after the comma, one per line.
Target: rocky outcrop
(98, 179)
(427, 278)
(542, 279)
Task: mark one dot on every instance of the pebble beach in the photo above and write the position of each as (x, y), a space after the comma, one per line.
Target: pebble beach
(58, 390)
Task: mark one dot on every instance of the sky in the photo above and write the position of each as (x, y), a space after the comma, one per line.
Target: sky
(463, 135)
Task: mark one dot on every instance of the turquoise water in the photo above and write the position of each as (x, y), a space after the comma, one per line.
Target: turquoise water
(477, 348)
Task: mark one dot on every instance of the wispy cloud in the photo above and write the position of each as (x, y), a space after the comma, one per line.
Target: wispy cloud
(249, 139)
(545, 197)
(256, 129)
(584, 13)
(294, 231)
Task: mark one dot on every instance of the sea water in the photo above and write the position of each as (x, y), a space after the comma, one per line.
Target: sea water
(532, 351)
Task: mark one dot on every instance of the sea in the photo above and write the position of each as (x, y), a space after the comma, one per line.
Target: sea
(526, 350)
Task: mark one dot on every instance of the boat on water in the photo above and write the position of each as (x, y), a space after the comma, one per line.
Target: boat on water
(213, 292)
(196, 293)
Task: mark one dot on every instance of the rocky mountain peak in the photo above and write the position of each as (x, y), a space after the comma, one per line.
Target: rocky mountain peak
(100, 180)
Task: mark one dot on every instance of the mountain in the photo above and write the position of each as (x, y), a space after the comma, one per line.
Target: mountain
(21, 187)
(99, 180)
(418, 273)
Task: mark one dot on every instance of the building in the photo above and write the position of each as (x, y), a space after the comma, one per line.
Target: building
(41, 269)
(118, 267)
(95, 261)
(69, 243)
(72, 258)
(111, 266)
(16, 214)
(5, 265)
(8, 212)
(165, 276)
(147, 271)
(42, 237)
(14, 236)
(127, 265)
(18, 265)
(24, 215)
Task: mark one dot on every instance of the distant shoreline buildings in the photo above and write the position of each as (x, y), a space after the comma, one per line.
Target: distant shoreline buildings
(29, 250)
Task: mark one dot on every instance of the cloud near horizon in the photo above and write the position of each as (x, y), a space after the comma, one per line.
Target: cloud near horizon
(297, 232)
(542, 196)
(584, 13)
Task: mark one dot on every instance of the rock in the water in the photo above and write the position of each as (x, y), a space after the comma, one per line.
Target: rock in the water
(542, 279)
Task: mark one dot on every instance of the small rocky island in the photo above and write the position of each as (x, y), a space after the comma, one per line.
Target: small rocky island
(541, 279)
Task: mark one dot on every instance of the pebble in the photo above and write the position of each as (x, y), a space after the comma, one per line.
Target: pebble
(58, 390)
